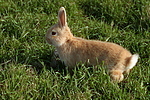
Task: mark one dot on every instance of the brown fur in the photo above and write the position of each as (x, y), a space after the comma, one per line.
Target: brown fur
(73, 50)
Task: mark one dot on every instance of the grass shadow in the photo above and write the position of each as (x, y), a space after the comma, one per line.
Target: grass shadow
(48, 61)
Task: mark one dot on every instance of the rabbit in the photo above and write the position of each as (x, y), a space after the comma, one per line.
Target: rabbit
(73, 50)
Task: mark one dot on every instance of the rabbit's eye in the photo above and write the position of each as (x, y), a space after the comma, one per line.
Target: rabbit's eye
(54, 33)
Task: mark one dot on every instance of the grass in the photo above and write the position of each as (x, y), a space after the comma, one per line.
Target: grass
(28, 69)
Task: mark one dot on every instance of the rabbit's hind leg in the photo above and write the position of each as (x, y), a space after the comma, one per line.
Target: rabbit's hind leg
(116, 75)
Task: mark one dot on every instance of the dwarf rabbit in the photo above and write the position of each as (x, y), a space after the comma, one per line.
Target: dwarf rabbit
(73, 50)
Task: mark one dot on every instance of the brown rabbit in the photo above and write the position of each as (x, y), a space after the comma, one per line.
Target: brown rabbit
(73, 50)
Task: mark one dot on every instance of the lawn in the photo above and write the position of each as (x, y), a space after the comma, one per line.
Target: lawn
(30, 71)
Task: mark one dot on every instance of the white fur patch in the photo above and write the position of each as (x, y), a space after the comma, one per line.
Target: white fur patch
(133, 61)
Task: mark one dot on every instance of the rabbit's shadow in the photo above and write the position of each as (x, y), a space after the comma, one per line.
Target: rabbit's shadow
(48, 61)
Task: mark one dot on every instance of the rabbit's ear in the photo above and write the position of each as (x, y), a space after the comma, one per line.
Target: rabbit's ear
(62, 20)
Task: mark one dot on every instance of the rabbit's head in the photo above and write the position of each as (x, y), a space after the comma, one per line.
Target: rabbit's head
(59, 33)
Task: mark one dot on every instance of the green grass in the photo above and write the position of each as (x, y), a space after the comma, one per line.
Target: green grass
(27, 67)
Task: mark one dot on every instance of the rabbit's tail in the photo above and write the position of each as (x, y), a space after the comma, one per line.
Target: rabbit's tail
(132, 61)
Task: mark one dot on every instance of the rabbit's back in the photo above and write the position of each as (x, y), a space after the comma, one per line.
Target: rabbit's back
(92, 52)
